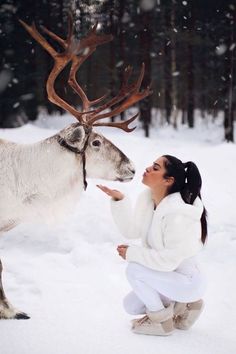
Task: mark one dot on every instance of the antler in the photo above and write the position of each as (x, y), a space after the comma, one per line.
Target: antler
(77, 51)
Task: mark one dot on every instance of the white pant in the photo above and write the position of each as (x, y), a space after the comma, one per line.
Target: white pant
(153, 289)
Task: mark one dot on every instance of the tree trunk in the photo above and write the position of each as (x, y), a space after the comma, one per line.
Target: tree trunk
(174, 67)
(229, 111)
(167, 69)
(145, 49)
(122, 56)
(112, 62)
(190, 73)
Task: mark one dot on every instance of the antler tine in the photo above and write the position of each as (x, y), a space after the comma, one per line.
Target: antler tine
(70, 27)
(102, 98)
(60, 61)
(88, 45)
(121, 125)
(65, 43)
(54, 36)
(32, 30)
(69, 45)
(134, 97)
(124, 91)
(75, 47)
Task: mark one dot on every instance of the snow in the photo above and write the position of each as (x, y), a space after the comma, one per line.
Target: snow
(147, 5)
(221, 49)
(5, 78)
(71, 281)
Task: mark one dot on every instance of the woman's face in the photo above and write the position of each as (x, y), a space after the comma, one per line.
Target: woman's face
(153, 176)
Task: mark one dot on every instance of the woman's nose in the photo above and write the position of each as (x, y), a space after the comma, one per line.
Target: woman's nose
(148, 169)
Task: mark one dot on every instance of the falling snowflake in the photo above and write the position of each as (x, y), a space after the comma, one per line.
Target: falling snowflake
(175, 73)
(125, 18)
(221, 49)
(147, 5)
(120, 63)
(15, 105)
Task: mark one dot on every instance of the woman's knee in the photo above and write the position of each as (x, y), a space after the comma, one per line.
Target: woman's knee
(131, 306)
(128, 306)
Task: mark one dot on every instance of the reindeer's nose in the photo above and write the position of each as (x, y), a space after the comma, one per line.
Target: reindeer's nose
(132, 170)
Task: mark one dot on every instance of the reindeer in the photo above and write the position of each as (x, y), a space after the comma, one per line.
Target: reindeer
(44, 180)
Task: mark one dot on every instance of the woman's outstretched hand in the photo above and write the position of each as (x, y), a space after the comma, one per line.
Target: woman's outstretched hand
(113, 193)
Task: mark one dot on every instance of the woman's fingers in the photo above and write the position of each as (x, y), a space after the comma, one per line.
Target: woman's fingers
(104, 189)
(122, 246)
(111, 192)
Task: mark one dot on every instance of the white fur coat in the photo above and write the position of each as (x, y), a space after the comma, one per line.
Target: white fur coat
(170, 234)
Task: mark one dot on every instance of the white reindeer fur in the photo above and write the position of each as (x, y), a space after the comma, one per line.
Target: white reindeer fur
(37, 181)
(43, 181)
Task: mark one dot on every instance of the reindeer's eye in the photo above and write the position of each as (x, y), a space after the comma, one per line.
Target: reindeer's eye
(96, 143)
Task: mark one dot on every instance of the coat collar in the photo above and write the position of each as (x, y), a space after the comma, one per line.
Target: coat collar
(173, 203)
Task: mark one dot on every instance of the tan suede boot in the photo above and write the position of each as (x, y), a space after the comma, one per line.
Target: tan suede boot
(159, 323)
(186, 314)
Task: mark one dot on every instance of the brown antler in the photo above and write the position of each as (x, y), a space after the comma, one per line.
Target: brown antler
(77, 52)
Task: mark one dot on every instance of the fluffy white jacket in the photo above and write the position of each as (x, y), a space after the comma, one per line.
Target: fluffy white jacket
(170, 234)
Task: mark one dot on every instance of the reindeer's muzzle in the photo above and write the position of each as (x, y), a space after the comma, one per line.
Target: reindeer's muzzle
(128, 175)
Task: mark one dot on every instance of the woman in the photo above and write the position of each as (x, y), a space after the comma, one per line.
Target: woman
(171, 221)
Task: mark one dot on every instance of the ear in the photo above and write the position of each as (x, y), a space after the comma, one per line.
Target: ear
(74, 135)
(169, 181)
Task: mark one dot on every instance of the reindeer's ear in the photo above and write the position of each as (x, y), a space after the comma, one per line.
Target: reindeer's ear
(74, 135)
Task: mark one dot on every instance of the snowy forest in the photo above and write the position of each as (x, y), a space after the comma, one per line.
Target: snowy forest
(188, 48)
(58, 243)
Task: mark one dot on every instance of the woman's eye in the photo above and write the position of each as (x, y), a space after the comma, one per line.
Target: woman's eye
(96, 143)
(155, 168)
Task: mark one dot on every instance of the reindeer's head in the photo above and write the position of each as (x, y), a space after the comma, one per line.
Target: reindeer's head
(79, 138)
(103, 159)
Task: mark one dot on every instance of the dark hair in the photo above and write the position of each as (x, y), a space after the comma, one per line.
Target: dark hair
(187, 181)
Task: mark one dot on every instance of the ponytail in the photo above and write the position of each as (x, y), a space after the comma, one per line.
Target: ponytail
(188, 182)
(192, 183)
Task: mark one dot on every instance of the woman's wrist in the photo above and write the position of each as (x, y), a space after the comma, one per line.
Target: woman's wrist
(116, 199)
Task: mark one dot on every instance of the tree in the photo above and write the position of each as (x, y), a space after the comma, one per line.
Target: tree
(230, 72)
(145, 49)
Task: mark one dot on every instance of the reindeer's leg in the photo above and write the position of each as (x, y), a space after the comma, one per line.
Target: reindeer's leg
(7, 311)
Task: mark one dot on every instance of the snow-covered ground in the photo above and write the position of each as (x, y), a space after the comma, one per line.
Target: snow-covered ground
(71, 281)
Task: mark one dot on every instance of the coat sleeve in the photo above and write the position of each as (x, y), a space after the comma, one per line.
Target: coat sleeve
(124, 217)
(181, 238)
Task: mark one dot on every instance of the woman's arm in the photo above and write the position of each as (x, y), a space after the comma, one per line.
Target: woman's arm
(122, 212)
(181, 236)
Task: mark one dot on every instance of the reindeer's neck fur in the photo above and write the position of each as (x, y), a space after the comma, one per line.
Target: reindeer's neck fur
(41, 179)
